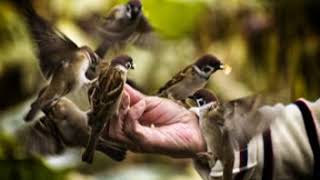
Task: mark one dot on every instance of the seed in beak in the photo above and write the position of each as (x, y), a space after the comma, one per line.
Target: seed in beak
(226, 68)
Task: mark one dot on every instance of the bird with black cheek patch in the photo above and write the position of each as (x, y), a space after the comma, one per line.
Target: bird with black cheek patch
(123, 23)
(204, 101)
(193, 78)
(105, 97)
(228, 126)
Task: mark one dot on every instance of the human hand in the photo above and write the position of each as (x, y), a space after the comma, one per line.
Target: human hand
(156, 125)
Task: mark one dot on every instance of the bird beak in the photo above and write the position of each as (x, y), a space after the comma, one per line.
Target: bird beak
(226, 68)
(191, 102)
(133, 66)
(135, 9)
(195, 110)
(192, 97)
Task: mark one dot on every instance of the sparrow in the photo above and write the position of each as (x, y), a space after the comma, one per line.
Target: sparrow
(105, 99)
(124, 23)
(193, 78)
(62, 62)
(71, 125)
(230, 125)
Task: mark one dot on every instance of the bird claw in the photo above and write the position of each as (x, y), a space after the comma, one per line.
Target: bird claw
(87, 157)
(207, 157)
(204, 156)
(93, 80)
(90, 83)
(90, 116)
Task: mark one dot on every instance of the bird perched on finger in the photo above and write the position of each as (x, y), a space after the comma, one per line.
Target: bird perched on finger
(62, 62)
(72, 127)
(105, 99)
(219, 146)
(124, 23)
(193, 78)
(230, 125)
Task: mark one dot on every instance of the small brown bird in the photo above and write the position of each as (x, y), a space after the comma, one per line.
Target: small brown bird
(124, 22)
(72, 126)
(67, 78)
(105, 99)
(229, 126)
(193, 78)
(62, 62)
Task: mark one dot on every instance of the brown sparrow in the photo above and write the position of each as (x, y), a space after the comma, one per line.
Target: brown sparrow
(105, 99)
(193, 78)
(124, 22)
(62, 62)
(72, 126)
(229, 126)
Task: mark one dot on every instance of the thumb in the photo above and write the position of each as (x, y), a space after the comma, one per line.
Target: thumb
(135, 96)
(135, 112)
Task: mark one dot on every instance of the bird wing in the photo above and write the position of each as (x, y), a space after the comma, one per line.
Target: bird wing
(145, 36)
(177, 78)
(247, 117)
(120, 31)
(110, 86)
(52, 44)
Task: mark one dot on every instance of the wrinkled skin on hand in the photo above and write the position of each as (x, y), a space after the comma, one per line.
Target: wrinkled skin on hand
(149, 124)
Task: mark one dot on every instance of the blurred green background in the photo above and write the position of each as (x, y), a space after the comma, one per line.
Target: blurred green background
(270, 44)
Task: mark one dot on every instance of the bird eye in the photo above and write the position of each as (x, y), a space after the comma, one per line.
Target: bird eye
(200, 102)
(207, 69)
(128, 8)
(128, 65)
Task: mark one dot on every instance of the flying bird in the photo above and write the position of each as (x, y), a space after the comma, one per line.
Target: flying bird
(62, 62)
(124, 23)
(228, 126)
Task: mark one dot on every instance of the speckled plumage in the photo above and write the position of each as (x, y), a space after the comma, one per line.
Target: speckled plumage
(105, 100)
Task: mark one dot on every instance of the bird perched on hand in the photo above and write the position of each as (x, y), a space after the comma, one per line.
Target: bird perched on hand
(193, 78)
(62, 62)
(105, 99)
(229, 126)
(124, 22)
(72, 126)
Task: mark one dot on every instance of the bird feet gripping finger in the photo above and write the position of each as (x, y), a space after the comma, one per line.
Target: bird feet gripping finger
(90, 83)
(206, 157)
